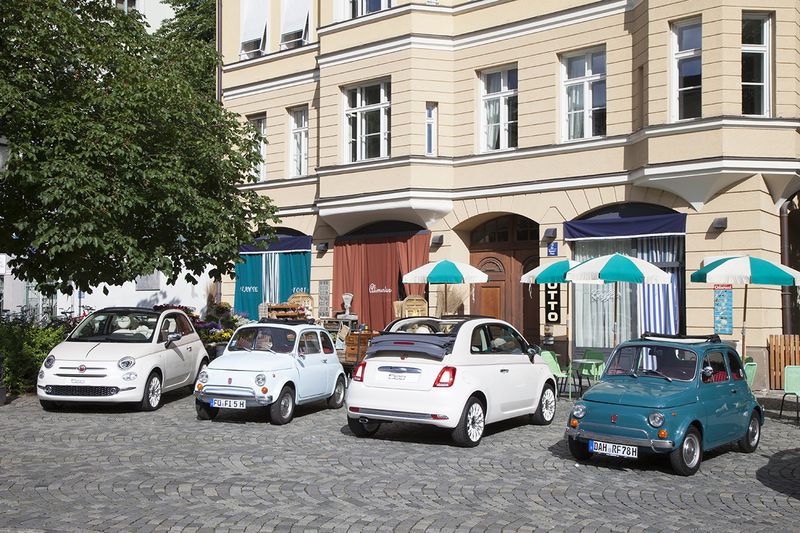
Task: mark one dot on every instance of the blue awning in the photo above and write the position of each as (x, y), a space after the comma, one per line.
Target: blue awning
(284, 243)
(629, 227)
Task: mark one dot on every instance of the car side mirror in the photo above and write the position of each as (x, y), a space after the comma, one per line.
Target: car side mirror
(172, 337)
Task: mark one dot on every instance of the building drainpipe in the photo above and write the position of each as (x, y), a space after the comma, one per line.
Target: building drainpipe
(786, 293)
(219, 51)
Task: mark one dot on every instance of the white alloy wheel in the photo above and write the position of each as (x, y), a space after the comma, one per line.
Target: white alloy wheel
(475, 422)
(548, 404)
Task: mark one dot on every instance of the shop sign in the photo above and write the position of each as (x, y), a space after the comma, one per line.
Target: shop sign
(552, 249)
(374, 289)
(325, 297)
(723, 309)
(552, 303)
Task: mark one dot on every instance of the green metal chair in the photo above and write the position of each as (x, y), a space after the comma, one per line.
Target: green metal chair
(561, 376)
(591, 371)
(748, 359)
(750, 373)
(791, 385)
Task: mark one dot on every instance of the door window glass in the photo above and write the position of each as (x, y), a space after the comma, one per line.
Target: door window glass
(719, 373)
(169, 325)
(184, 326)
(504, 340)
(309, 343)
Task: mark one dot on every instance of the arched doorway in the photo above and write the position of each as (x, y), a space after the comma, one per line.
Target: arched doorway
(506, 247)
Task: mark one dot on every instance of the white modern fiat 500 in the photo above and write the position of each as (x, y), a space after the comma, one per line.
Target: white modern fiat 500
(123, 354)
(276, 364)
(458, 373)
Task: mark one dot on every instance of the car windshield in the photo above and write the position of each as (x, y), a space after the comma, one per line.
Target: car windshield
(116, 326)
(653, 360)
(425, 325)
(263, 339)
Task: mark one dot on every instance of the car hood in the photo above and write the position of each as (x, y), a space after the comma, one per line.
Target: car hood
(642, 392)
(102, 351)
(252, 361)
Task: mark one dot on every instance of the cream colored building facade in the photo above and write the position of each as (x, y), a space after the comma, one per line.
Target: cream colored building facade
(617, 102)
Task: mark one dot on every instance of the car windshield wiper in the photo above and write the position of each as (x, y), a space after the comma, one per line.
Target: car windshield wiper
(657, 373)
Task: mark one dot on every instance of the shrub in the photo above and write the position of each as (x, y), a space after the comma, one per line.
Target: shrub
(24, 347)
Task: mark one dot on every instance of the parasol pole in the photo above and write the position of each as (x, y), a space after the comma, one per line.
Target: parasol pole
(444, 311)
(616, 284)
(744, 325)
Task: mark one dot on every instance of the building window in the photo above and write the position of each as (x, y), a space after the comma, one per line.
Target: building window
(368, 121)
(359, 8)
(756, 64)
(584, 94)
(295, 15)
(687, 69)
(499, 108)
(431, 118)
(298, 148)
(253, 27)
(126, 5)
(259, 124)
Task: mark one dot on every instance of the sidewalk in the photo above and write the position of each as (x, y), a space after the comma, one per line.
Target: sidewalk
(771, 400)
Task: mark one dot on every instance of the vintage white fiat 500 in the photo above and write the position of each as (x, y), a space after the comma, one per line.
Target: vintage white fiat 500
(274, 363)
(122, 354)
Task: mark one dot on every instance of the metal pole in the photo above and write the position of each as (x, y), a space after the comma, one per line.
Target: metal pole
(744, 325)
(616, 284)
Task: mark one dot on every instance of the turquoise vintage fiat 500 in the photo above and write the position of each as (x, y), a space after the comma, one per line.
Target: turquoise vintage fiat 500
(667, 394)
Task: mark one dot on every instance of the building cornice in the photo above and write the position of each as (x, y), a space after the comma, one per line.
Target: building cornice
(251, 89)
(280, 183)
(269, 58)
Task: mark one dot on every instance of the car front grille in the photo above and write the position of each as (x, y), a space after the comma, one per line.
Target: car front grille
(80, 390)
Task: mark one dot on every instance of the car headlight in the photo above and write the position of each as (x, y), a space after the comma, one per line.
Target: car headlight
(579, 411)
(41, 374)
(126, 362)
(261, 379)
(50, 361)
(656, 419)
(202, 377)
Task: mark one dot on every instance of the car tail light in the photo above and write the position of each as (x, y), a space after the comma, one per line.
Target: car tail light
(446, 377)
(358, 375)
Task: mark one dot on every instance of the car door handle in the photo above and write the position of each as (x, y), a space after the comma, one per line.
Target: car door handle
(324, 360)
(733, 391)
(189, 348)
(504, 371)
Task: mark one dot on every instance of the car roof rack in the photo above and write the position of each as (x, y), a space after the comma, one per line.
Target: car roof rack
(713, 337)
(287, 321)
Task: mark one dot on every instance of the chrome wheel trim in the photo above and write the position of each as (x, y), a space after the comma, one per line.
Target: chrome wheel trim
(475, 422)
(548, 404)
(690, 450)
(154, 391)
(339, 392)
(753, 431)
(286, 405)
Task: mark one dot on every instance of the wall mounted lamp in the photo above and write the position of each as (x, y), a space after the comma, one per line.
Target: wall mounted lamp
(550, 234)
(720, 223)
(322, 247)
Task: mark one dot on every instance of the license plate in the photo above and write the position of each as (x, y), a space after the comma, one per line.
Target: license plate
(617, 450)
(228, 404)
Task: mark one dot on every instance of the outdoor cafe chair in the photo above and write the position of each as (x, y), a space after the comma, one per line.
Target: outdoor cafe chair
(791, 385)
(750, 373)
(561, 376)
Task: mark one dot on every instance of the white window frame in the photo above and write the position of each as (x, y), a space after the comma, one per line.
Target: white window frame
(358, 8)
(431, 128)
(298, 127)
(678, 55)
(586, 82)
(259, 123)
(296, 39)
(764, 49)
(385, 106)
(503, 96)
(254, 47)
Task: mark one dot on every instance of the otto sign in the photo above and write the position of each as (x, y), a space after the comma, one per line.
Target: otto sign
(552, 303)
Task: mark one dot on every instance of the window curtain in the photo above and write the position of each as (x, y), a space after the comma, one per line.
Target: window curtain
(271, 279)
(575, 107)
(294, 15)
(249, 286)
(295, 273)
(254, 14)
(413, 253)
(659, 310)
(594, 304)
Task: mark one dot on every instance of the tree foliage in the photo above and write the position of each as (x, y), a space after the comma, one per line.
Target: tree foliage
(120, 161)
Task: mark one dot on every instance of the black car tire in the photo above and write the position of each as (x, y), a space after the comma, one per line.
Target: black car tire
(361, 429)
(578, 449)
(282, 409)
(752, 435)
(544, 415)
(152, 390)
(686, 458)
(469, 431)
(205, 411)
(336, 400)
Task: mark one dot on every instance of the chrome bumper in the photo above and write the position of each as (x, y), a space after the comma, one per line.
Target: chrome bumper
(233, 393)
(655, 445)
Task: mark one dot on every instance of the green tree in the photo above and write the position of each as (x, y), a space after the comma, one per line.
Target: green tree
(120, 161)
(193, 28)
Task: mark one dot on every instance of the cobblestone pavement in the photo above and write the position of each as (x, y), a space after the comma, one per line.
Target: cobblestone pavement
(111, 468)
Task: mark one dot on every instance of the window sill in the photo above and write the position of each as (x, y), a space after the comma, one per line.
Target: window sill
(583, 139)
(498, 151)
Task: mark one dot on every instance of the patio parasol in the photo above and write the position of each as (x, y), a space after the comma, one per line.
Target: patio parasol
(445, 272)
(615, 268)
(747, 270)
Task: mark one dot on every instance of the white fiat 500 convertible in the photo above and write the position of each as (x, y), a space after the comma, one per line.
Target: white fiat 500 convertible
(123, 354)
(276, 364)
(458, 373)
